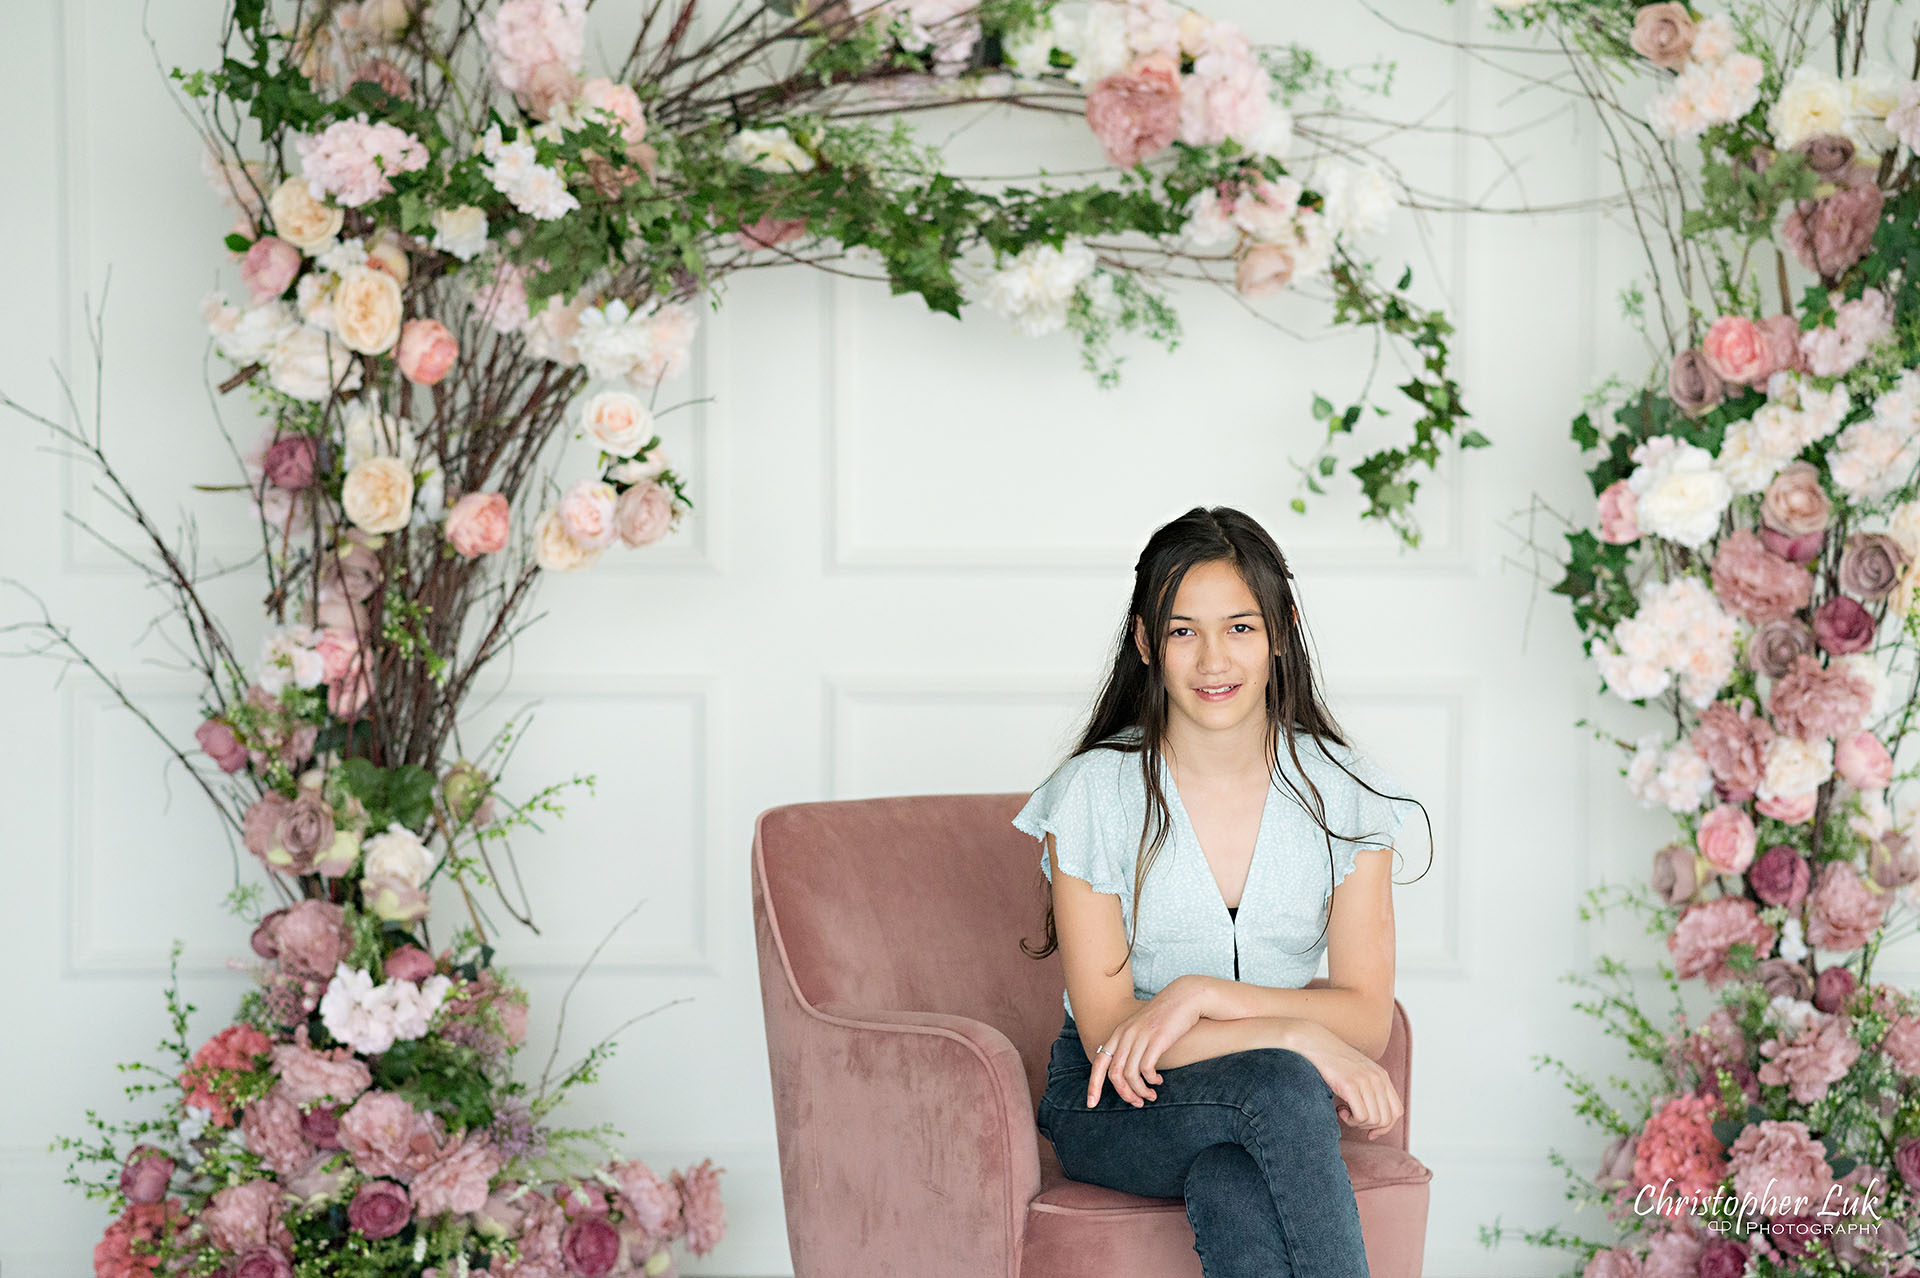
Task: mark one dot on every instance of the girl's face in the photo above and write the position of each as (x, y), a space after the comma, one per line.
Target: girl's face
(1217, 650)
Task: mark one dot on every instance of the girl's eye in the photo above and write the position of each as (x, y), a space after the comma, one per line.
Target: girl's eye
(1239, 625)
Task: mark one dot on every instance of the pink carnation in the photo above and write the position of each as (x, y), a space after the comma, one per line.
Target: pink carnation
(1902, 1045)
(1755, 583)
(1674, 1254)
(246, 1215)
(1812, 701)
(1678, 1144)
(311, 939)
(1780, 1160)
(1832, 234)
(235, 1048)
(308, 1075)
(1136, 113)
(700, 1204)
(1226, 95)
(1706, 934)
(352, 160)
(386, 1136)
(457, 1181)
(272, 1129)
(1843, 913)
(144, 1224)
(654, 1204)
(1614, 1262)
(1734, 744)
(1819, 1057)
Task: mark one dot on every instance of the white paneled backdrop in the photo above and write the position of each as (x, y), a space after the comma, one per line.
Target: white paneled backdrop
(912, 549)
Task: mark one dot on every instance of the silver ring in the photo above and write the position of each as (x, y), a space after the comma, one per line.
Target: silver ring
(1103, 1048)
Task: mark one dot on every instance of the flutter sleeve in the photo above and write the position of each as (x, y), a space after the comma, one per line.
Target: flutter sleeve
(1079, 806)
(1375, 820)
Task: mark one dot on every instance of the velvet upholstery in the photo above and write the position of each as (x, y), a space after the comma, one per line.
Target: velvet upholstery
(907, 1037)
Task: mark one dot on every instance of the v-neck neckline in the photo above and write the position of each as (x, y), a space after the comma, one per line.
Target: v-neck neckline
(1206, 866)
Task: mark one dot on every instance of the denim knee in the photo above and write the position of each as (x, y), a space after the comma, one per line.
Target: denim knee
(1285, 1085)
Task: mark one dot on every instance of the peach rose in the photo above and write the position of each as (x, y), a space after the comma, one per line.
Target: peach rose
(477, 524)
(1738, 350)
(385, 254)
(1663, 35)
(643, 514)
(554, 551)
(1795, 503)
(301, 220)
(427, 351)
(618, 422)
(586, 509)
(378, 495)
(1263, 269)
(366, 310)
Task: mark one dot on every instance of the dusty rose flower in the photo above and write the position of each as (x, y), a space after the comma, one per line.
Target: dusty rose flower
(322, 1126)
(1777, 644)
(1614, 1262)
(1843, 913)
(1738, 351)
(386, 1136)
(1871, 564)
(1832, 234)
(1906, 1160)
(1663, 34)
(385, 74)
(355, 571)
(262, 822)
(1783, 336)
(271, 1127)
(1892, 861)
(1863, 761)
(1816, 1059)
(1781, 978)
(1264, 269)
(1723, 1259)
(1674, 1254)
(1692, 384)
(1795, 550)
(587, 513)
(216, 738)
(1780, 876)
(145, 1176)
(1832, 988)
(457, 1181)
(305, 832)
(1703, 940)
(311, 939)
(1784, 1153)
(1726, 838)
(654, 1203)
(380, 1209)
(1676, 874)
(245, 1216)
(1756, 584)
(591, 1246)
(1734, 744)
(501, 1215)
(1901, 1043)
(643, 514)
(270, 265)
(701, 1207)
(1617, 524)
(1136, 113)
(477, 524)
(322, 1177)
(427, 351)
(1842, 625)
(308, 1074)
(1795, 503)
(289, 462)
(409, 963)
(1812, 701)
(1828, 154)
(262, 1262)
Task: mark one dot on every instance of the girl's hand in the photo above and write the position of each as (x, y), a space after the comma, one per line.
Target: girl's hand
(1365, 1095)
(1137, 1042)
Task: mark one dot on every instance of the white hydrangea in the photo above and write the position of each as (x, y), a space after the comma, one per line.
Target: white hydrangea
(1679, 495)
(247, 336)
(515, 170)
(1872, 95)
(342, 255)
(1036, 288)
(1679, 631)
(460, 231)
(288, 657)
(1358, 198)
(1098, 43)
(371, 1018)
(1674, 777)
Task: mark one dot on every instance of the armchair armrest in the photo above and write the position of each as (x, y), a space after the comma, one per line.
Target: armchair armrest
(911, 1143)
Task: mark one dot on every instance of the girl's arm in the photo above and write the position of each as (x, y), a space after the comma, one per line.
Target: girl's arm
(1357, 1003)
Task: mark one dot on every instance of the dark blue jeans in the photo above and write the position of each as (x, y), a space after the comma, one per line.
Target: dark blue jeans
(1250, 1140)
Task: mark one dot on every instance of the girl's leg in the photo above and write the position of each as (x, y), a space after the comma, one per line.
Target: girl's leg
(1271, 1102)
(1236, 1228)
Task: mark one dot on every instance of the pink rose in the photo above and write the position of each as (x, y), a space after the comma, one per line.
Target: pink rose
(1617, 523)
(1871, 565)
(322, 1126)
(1832, 988)
(1734, 744)
(245, 1216)
(1843, 913)
(1776, 645)
(1863, 761)
(587, 513)
(1737, 349)
(1832, 234)
(1136, 113)
(1793, 809)
(409, 963)
(477, 524)
(1783, 979)
(1756, 584)
(1842, 625)
(1780, 877)
(1892, 861)
(1702, 943)
(270, 265)
(1812, 701)
(427, 351)
(1795, 502)
(380, 1209)
(1263, 269)
(643, 514)
(145, 1176)
(216, 738)
(262, 1262)
(591, 1246)
(1723, 1259)
(1726, 838)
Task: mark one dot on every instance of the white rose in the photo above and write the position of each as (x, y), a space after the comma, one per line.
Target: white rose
(367, 432)
(397, 853)
(1795, 767)
(249, 336)
(618, 422)
(367, 310)
(460, 231)
(1812, 103)
(1680, 496)
(307, 364)
(772, 150)
(378, 495)
(1747, 467)
(640, 470)
(554, 551)
(301, 220)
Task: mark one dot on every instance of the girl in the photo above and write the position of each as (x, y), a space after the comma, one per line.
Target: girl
(1213, 1075)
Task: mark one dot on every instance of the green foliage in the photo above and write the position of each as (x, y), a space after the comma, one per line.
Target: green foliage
(438, 1076)
(402, 795)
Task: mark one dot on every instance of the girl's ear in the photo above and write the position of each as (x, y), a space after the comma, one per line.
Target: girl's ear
(1140, 640)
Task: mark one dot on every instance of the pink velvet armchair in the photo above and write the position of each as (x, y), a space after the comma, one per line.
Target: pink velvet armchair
(908, 1036)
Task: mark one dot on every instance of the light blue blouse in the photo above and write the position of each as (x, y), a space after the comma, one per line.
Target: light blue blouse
(1095, 805)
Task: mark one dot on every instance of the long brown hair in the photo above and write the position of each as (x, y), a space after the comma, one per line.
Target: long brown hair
(1130, 714)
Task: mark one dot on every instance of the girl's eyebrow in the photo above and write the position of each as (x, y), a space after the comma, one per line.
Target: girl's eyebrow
(1177, 617)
